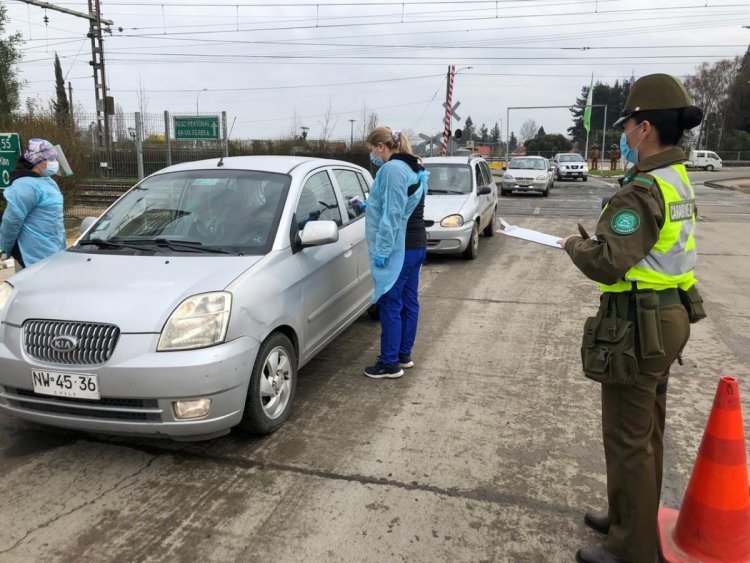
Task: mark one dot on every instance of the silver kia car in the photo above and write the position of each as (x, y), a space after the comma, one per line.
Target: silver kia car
(461, 203)
(189, 305)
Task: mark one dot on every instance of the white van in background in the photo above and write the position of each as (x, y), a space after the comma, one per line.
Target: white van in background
(708, 160)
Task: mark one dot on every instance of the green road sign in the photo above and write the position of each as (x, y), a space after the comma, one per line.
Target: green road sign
(196, 128)
(10, 150)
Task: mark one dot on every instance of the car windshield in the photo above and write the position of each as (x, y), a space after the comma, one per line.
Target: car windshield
(448, 178)
(199, 211)
(570, 158)
(527, 164)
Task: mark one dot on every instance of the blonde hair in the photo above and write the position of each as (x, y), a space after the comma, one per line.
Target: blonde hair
(394, 140)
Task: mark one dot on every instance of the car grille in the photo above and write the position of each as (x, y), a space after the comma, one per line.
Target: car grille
(575, 166)
(137, 410)
(94, 342)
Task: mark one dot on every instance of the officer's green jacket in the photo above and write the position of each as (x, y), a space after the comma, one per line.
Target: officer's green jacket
(631, 226)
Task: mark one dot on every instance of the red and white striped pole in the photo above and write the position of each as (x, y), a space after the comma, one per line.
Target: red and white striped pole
(448, 108)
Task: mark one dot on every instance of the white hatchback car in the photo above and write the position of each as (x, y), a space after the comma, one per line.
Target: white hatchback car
(461, 203)
(189, 305)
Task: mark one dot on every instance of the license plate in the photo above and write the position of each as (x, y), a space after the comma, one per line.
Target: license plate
(74, 385)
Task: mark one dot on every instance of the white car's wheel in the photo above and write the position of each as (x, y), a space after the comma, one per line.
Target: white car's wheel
(710, 168)
(473, 249)
(489, 230)
(273, 383)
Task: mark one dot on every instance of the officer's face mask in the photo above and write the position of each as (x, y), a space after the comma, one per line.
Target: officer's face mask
(52, 168)
(631, 155)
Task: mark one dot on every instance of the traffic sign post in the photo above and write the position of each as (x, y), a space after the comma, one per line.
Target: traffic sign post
(203, 128)
(10, 150)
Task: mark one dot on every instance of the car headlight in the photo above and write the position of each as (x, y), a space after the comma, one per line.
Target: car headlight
(5, 291)
(541, 177)
(507, 176)
(199, 321)
(452, 221)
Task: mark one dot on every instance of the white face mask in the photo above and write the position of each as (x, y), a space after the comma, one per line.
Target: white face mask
(52, 168)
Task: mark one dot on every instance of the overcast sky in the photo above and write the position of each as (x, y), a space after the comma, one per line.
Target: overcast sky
(261, 61)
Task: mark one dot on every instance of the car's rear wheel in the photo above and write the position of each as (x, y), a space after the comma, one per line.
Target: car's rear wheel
(489, 230)
(473, 249)
(273, 383)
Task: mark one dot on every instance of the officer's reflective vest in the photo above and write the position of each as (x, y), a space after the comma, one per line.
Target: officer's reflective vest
(671, 261)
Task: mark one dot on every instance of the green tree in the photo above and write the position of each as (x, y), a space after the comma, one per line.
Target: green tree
(484, 133)
(613, 97)
(495, 134)
(512, 143)
(541, 132)
(547, 145)
(60, 106)
(469, 131)
(10, 56)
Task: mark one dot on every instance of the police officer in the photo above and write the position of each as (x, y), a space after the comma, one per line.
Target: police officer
(643, 256)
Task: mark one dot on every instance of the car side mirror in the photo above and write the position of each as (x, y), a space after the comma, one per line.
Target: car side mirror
(484, 190)
(318, 233)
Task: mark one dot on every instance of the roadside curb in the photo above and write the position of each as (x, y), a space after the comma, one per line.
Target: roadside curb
(723, 185)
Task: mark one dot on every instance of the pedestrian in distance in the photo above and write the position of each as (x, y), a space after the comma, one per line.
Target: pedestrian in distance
(595, 154)
(614, 157)
(32, 226)
(397, 244)
(643, 256)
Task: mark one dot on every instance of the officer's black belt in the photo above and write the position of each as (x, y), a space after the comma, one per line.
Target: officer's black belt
(667, 297)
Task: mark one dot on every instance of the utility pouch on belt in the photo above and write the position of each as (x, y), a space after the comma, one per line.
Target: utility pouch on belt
(649, 324)
(608, 348)
(693, 303)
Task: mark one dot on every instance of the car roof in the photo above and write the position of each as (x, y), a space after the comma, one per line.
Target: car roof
(451, 159)
(267, 163)
(530, 156)
(569, 154)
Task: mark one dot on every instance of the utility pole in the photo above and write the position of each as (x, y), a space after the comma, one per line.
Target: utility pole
(104, 104)
(351, 135)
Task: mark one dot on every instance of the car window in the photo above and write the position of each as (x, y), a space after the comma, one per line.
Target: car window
(527, 164)
(478, 180)
(449, 178)
(486, 174)
(350, 187)
(363, 183)
(570, 158)
(208, 208)
(713, 155)
(318, 202)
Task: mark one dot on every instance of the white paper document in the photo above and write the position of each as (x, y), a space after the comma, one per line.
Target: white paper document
(528, 234)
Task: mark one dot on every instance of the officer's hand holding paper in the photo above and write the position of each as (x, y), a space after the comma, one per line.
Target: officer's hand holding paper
(528, 234)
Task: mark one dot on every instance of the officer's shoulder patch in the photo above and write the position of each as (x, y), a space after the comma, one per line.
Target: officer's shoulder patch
(643, 181)
(625, 222)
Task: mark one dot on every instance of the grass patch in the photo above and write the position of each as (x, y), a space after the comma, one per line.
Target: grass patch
(607, 173)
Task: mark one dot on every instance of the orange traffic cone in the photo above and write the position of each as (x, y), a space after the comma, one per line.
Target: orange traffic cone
(713, 523)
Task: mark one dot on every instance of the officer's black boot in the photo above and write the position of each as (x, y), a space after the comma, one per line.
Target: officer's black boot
(596, 554)
(598, 521)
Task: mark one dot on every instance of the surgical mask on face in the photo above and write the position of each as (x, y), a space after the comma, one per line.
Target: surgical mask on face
(51, 169)
(376, 160)
(631, 155)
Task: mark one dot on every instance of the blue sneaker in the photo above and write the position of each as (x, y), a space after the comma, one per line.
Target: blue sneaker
(381, 371)
(405, 361)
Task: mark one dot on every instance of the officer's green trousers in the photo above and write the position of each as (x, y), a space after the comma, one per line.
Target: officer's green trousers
(633, 428)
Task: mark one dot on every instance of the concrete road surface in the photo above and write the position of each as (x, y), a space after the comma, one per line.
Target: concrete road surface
(488, 450)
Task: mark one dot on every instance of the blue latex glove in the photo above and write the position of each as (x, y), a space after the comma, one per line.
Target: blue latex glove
(379, 261)
(358, 203)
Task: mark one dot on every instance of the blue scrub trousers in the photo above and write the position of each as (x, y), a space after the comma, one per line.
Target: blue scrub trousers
(399, 310)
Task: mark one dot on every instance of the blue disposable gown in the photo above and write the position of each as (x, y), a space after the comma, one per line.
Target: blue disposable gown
(33, 218)
(388, 209)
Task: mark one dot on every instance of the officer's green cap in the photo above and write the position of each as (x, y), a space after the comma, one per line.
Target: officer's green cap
(655, 91)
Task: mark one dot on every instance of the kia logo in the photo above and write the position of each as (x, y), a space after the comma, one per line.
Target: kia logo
(64, 343)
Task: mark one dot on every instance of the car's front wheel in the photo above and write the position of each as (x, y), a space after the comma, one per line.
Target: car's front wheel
(489, 230)
(273, 383)
(473, 249)
(710, 168)
(585, 178)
